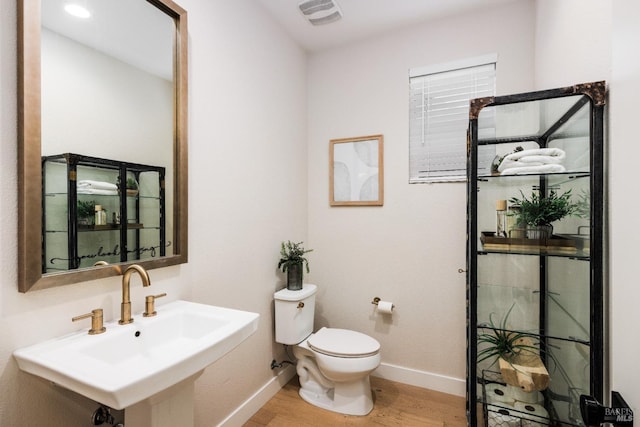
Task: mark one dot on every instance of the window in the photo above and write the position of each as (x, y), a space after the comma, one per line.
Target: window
(439, 116)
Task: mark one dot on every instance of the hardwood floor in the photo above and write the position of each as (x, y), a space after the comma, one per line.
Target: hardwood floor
(395, 404)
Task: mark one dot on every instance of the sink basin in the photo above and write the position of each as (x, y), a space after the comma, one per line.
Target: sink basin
(130, 363)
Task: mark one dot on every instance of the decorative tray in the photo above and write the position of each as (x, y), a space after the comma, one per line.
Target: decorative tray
(556, 243)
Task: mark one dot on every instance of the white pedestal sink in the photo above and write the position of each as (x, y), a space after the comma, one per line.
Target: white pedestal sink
(147, 367)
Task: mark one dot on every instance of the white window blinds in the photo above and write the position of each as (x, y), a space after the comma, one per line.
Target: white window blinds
(439, 116)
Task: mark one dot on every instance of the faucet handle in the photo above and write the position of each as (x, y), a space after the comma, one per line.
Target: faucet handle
(149, 304)
(96, 321)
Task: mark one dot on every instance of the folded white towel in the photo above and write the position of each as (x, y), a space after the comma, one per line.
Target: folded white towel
(96, 185)
(533, 157)
(97, 191)
(524, 170)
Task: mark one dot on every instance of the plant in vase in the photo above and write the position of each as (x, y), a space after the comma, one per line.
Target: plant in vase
(538, 212)
(132, 187)
(292, 261)
(517, 354)
(85, 211)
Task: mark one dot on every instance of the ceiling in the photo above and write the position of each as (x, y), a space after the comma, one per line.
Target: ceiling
(119, 34)
(365, 18)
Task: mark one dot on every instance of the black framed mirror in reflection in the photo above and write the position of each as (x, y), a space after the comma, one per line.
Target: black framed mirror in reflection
(103, 167)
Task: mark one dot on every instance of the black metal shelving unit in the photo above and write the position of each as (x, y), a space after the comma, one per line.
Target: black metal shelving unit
(557, 291)
(138, 232)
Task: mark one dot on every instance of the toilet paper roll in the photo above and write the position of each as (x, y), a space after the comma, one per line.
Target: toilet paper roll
(498, 393)
(385, 307)
(501, 416)
(525, 396)
(533, 414)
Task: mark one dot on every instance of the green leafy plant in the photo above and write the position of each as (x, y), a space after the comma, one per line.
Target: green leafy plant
(86, 208)
(539, 210)
(500, 342)
(129, 183)
(292, 254)
(583, 208)
(132, 184)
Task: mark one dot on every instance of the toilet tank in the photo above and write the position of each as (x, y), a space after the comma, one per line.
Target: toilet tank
(294, 312)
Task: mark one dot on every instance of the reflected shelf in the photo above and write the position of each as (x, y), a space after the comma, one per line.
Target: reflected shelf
(566, 176)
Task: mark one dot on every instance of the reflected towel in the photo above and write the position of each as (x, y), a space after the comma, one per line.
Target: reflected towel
(534, 157)
(97, 191)
(96, 185)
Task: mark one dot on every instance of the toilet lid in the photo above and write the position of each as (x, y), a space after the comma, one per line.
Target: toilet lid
(343, 343)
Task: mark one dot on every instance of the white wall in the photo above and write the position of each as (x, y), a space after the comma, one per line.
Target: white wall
(624, 205)
(408, 251)
(247, 186)
(573, 42)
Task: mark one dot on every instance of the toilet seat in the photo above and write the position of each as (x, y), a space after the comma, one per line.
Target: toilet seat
(343, 343)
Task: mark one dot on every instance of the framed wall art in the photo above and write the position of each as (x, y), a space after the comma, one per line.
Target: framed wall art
(356, 171)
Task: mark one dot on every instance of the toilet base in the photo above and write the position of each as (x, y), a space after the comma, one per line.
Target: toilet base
(352, 398)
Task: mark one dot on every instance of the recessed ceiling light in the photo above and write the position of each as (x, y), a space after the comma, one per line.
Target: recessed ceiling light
(77, 11)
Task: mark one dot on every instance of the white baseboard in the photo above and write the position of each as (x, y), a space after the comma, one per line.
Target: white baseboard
(429, 380)
(253, 404)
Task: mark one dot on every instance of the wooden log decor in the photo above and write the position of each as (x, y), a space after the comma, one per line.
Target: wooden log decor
(525, 369)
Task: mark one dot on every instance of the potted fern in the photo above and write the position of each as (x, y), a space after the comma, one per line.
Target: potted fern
(538, 212)
(293, 261)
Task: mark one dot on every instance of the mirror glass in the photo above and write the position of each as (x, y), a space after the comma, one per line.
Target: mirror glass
(356, 171)
(112, 103)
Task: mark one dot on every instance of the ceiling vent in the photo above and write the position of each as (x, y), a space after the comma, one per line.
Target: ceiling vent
(320, 12)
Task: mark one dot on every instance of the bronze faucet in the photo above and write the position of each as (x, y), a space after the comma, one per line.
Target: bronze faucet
(125, 307)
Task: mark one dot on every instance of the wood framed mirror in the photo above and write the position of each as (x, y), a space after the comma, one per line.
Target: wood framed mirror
(356, 171)
(52, 123)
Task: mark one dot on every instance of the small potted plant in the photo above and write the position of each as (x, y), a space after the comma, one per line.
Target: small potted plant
(538, 212)
(132, 187)
(292, 261)
(85, 212)
(517, 354)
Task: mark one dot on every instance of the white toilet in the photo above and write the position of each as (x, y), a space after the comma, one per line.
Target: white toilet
(333, 364)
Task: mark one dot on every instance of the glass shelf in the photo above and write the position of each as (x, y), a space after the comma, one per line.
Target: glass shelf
(109, 227)
(536, 336)
(558, 175)
(571, 254)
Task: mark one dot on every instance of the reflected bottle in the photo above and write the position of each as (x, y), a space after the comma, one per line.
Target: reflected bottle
(515, 229)
(501, 218)
(101, 216)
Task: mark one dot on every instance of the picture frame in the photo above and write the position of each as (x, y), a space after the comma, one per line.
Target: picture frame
(356, 171)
